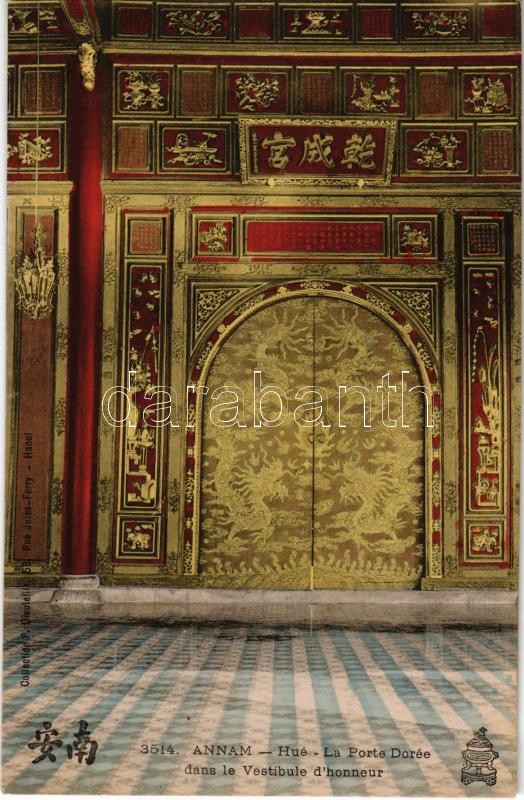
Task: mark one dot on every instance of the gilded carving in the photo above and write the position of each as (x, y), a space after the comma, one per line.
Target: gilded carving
(57, 492)
(215, 239)
(32, 19)
(420, 301)
(452, 567)
(485, 369)
(62, 267)
(437, 151)
(174, 495)
(108, 344)
(104, 563)
(60, 202)
(61, 339)
(53, 567)
(113, 202)
(208, 301)
(198, 22)
(316, 22)
(31, 151)
(195, 152)
(35, 279)
(487, 96)
(367, 97)
(256, 94)
(382, 547)
(451, 498)
(445, 24)
(60, 416)
(171, 565)
(450, 347)
(414, 238)
(177, 344)
(109, 268)
(87, 56)
(143, 90)
(105, 494)
(436, 559)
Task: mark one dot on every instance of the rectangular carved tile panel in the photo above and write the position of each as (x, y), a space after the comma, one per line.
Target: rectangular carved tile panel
(256, 91)
(376, 22)
(35, 414)
(499, 21)
(497, 150)
(434, 93)
(146, 236)
(321, 22)
(437, 151)
(45, 96)
(487, 93)
(194, 149)
(438, 23)
(316, 91)
(372, 91)
(256, 22)
(144, 91)
(134, 22)
(195, 23)
(198, 93)
(484, 238)
(134, 149)
(28, 148)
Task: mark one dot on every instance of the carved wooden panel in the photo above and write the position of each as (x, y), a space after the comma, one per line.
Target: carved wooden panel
(143, 363)
(447, 122)
(440, 24)
(485, 410)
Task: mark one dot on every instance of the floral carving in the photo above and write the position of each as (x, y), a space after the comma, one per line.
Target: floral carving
(143, 90)
(256, 93)
(446, 24)
(31, 151)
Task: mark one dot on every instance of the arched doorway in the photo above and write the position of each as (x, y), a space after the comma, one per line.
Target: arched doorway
(337, 505)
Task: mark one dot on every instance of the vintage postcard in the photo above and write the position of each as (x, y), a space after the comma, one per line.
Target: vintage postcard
(263, 398)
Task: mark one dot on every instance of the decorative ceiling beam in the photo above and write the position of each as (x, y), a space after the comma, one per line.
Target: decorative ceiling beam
(83, 18)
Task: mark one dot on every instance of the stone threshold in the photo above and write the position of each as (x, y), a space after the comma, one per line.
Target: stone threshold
(346, 608)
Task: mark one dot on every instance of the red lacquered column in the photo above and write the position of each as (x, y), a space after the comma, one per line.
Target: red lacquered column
(85, 274)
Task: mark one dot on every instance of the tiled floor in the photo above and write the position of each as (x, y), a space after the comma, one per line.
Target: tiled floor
(323, 690)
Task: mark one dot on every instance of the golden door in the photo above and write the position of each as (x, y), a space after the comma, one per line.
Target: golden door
(289, 504)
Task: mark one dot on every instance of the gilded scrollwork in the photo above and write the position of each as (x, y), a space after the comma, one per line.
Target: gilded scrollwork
(57, 492)
(420, 302)
(60, 416)
(174, 495)
(62, 267)
(104, 563)
(208, 301)
(450, 347)
(109, 269)
(441, 23)
(108, 344)
(171, 565)
(61, 340)
(113, 202)
(105, 494)
(53, 566)
(451, 498)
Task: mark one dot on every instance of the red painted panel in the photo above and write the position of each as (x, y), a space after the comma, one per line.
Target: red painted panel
(310, 236)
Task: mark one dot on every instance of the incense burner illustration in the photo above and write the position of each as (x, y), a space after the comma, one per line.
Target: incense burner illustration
(478, 760)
